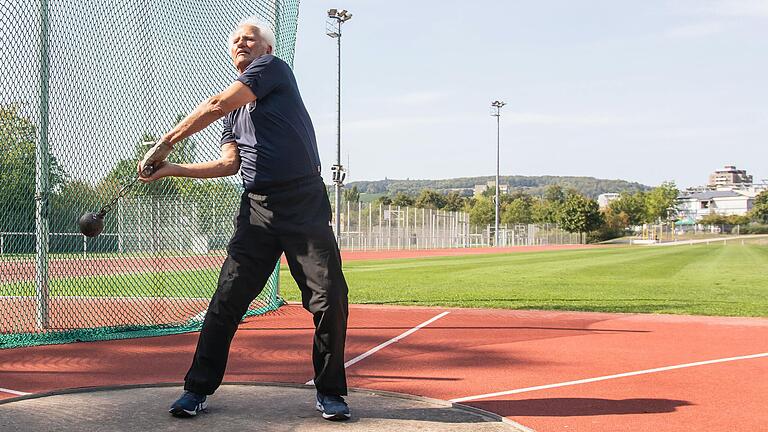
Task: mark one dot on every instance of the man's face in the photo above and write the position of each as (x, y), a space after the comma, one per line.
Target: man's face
(247, 45)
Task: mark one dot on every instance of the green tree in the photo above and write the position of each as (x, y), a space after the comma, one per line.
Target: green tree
(580, 214)
(489, 192)
(482, 211)
(762, 198)
(383, 200)
(659, 200)
(728, 223)
(737, 220)
(18, 136)
(430, 199)
(402, 199)
(544, 211)
(759, 212)
(615, 221)
(554, 194)
(352, 195)
(519, 211)
(713, 219)
(632, 205)
(454, 202)
(615, 225)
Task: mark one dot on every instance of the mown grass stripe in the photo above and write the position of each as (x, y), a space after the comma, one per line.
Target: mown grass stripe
(702, 279)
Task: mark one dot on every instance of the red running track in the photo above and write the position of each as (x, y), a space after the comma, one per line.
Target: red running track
(471, 352)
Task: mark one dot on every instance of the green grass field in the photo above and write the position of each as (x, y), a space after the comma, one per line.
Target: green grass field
(703, 280)
(180, 284)
(711, 279)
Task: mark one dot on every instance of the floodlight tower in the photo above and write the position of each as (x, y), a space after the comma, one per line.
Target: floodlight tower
(336, 18)
(496, 112)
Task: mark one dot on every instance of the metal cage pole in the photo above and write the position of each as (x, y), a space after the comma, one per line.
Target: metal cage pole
(42, 179)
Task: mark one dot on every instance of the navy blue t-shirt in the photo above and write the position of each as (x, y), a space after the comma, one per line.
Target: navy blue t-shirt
(274, 134)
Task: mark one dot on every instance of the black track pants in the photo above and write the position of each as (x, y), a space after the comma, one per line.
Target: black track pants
(293, 219)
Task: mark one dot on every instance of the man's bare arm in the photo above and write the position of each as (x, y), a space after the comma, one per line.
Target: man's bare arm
(216, 107)
(228, 164)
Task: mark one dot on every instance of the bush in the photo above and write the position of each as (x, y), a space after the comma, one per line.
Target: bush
(605, 233)
(754, 229)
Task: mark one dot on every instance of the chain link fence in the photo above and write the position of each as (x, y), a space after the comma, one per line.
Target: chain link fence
(369, 226)
(530, 235)
(83, 84)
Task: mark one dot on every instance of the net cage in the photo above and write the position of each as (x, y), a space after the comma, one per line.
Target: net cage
(83, 84)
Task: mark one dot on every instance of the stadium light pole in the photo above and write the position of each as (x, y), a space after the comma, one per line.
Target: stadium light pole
(336, 18)
(496, 112)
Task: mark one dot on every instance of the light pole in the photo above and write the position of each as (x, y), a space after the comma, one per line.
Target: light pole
(496, 112)
(333, 29)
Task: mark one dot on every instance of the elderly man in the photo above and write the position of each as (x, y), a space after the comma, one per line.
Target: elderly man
(268, 136)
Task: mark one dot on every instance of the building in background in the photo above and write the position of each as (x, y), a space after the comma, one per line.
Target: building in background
(695, 206)
(604, 199)
(729, 177)
(479, 189)
(465, 192)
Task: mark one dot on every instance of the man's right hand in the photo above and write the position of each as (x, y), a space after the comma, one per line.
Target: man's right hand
(161, 169)
(154, 156)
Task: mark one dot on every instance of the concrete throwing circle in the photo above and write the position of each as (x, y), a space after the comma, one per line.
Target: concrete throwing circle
(236, 408)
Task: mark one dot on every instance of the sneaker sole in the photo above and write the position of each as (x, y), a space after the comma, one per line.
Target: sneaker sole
(337, 416)
(181, 412)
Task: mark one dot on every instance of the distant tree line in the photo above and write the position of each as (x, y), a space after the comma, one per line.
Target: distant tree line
(532, 185)
(571, 210)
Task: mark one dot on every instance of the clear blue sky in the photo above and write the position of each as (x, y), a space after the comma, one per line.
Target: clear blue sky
(642, 91)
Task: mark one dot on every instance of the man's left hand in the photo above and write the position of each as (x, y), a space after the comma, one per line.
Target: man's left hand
(155, 155)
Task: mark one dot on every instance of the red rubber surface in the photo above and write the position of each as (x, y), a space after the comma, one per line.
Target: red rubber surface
(471, 352)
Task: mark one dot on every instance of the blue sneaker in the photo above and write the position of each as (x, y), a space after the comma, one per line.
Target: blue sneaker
(188, 405)
(333, 407)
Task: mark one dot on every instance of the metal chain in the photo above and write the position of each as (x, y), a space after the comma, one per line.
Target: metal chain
(108, 208)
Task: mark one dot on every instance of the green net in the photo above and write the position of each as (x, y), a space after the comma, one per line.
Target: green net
(83, 84)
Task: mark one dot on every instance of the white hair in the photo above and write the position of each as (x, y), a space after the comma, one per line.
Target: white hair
(265, 30)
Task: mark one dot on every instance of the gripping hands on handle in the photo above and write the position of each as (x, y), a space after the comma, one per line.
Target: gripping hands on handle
(154, 157)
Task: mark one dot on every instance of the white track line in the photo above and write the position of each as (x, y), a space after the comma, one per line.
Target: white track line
(607, 377)
(714, 240)
(200, 316)
(13, 392)
(389, 342)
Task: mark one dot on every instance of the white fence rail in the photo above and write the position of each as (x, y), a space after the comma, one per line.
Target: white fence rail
(368, 226)
(363, 227)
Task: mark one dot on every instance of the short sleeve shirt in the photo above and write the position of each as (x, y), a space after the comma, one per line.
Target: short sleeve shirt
(274, 135)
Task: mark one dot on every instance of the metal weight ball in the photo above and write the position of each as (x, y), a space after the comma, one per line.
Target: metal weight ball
(91, 224)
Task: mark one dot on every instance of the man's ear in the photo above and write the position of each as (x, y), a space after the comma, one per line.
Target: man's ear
(269, 49)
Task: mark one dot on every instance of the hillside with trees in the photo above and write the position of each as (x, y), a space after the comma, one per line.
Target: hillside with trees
(532, 185)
